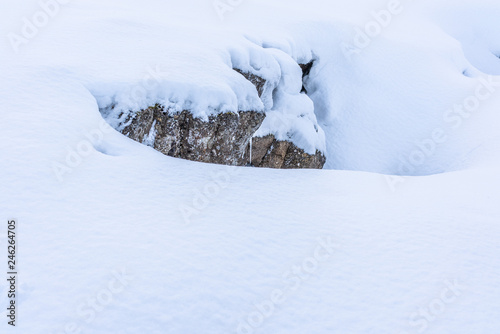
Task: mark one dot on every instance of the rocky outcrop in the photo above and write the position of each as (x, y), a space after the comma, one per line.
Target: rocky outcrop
(257, 81)
(272, 153)
(222, 139)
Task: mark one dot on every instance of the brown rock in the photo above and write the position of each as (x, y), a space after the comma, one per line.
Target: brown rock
(222, 139)
(257, 81)
(271, 153)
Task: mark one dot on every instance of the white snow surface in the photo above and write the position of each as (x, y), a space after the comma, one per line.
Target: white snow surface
(200, 248)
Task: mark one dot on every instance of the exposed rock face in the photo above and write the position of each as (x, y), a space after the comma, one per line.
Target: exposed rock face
(306, 69)
(258, 82)
(223, 139)
(272, 153)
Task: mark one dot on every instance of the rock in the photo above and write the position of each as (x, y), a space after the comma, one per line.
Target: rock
(306, 69)
(272, 153)
(222, 139)
(257, 81)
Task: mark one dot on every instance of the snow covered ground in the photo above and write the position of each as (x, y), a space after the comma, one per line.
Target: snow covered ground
(114, 237)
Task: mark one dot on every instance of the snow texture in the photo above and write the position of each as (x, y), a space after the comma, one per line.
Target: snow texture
(115, 237)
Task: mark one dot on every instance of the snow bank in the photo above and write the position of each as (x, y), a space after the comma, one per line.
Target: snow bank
(357, 110)
(117, 238)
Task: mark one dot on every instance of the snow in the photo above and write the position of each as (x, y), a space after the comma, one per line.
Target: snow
(115, 237)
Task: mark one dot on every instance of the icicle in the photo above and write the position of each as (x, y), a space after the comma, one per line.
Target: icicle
(250, 162)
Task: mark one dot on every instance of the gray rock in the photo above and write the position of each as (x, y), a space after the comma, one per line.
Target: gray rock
(223, 139)
(272, 153)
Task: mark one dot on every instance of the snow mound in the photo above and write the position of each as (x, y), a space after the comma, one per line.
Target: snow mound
(117, 238)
